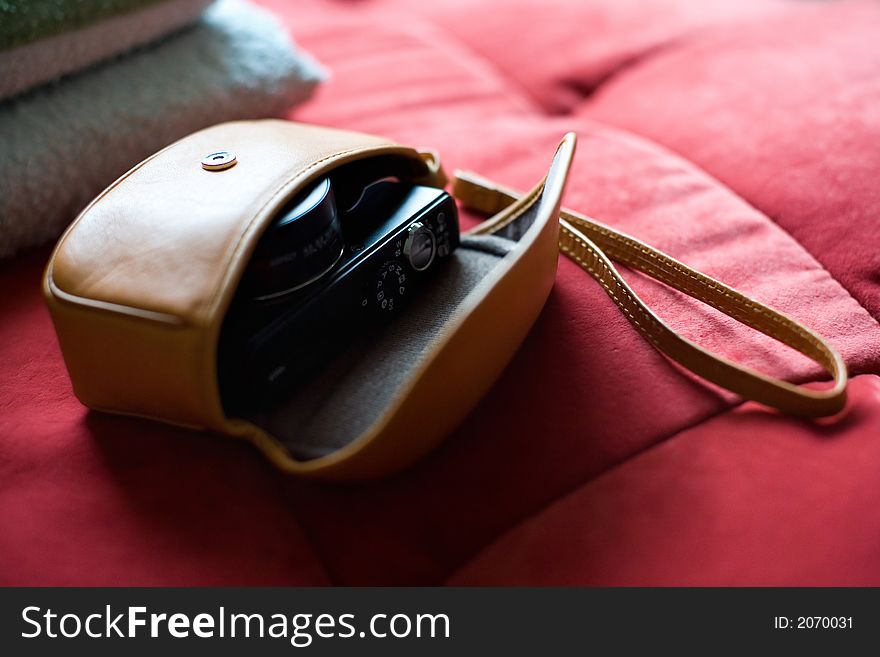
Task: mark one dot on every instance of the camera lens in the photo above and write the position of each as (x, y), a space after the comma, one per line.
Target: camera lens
(299, 247)
(420, 247)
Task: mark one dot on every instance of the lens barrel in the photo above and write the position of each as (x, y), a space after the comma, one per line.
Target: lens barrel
(299, 247)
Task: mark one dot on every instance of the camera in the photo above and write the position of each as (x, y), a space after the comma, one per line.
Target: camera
(341, 258)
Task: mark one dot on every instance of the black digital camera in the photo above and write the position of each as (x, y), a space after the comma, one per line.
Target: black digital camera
(338, 260)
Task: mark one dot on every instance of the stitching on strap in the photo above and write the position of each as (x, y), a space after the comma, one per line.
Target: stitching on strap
(627, 250)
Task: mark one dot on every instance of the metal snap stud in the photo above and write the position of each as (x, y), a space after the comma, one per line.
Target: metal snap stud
(218, 161)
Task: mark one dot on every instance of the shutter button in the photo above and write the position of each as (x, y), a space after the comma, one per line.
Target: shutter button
(218, 161)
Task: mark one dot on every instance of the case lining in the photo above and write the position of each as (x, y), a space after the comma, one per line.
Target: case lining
(343, 400)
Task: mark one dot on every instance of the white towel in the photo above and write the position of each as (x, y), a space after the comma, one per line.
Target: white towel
(62, 144)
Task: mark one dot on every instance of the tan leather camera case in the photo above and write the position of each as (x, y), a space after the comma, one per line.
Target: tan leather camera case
(139, 285)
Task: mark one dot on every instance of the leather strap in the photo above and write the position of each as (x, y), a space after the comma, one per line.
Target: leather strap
(594, 245)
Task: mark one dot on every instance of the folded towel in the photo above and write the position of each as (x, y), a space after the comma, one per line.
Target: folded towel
(44, 39)
(62, 144)
(23, 21)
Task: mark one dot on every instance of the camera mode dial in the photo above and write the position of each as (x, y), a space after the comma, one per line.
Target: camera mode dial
(420, 246)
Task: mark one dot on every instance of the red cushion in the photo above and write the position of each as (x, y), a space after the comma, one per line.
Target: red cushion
(741, 148)
(786, 112)
(747, 498)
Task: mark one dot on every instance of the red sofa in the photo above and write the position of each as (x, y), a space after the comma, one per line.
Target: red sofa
(742, 137)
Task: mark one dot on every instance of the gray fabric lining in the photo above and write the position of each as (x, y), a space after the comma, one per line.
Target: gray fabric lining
(517, 228)
(343, 400)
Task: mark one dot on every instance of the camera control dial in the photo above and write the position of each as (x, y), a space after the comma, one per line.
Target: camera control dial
(420, 246)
